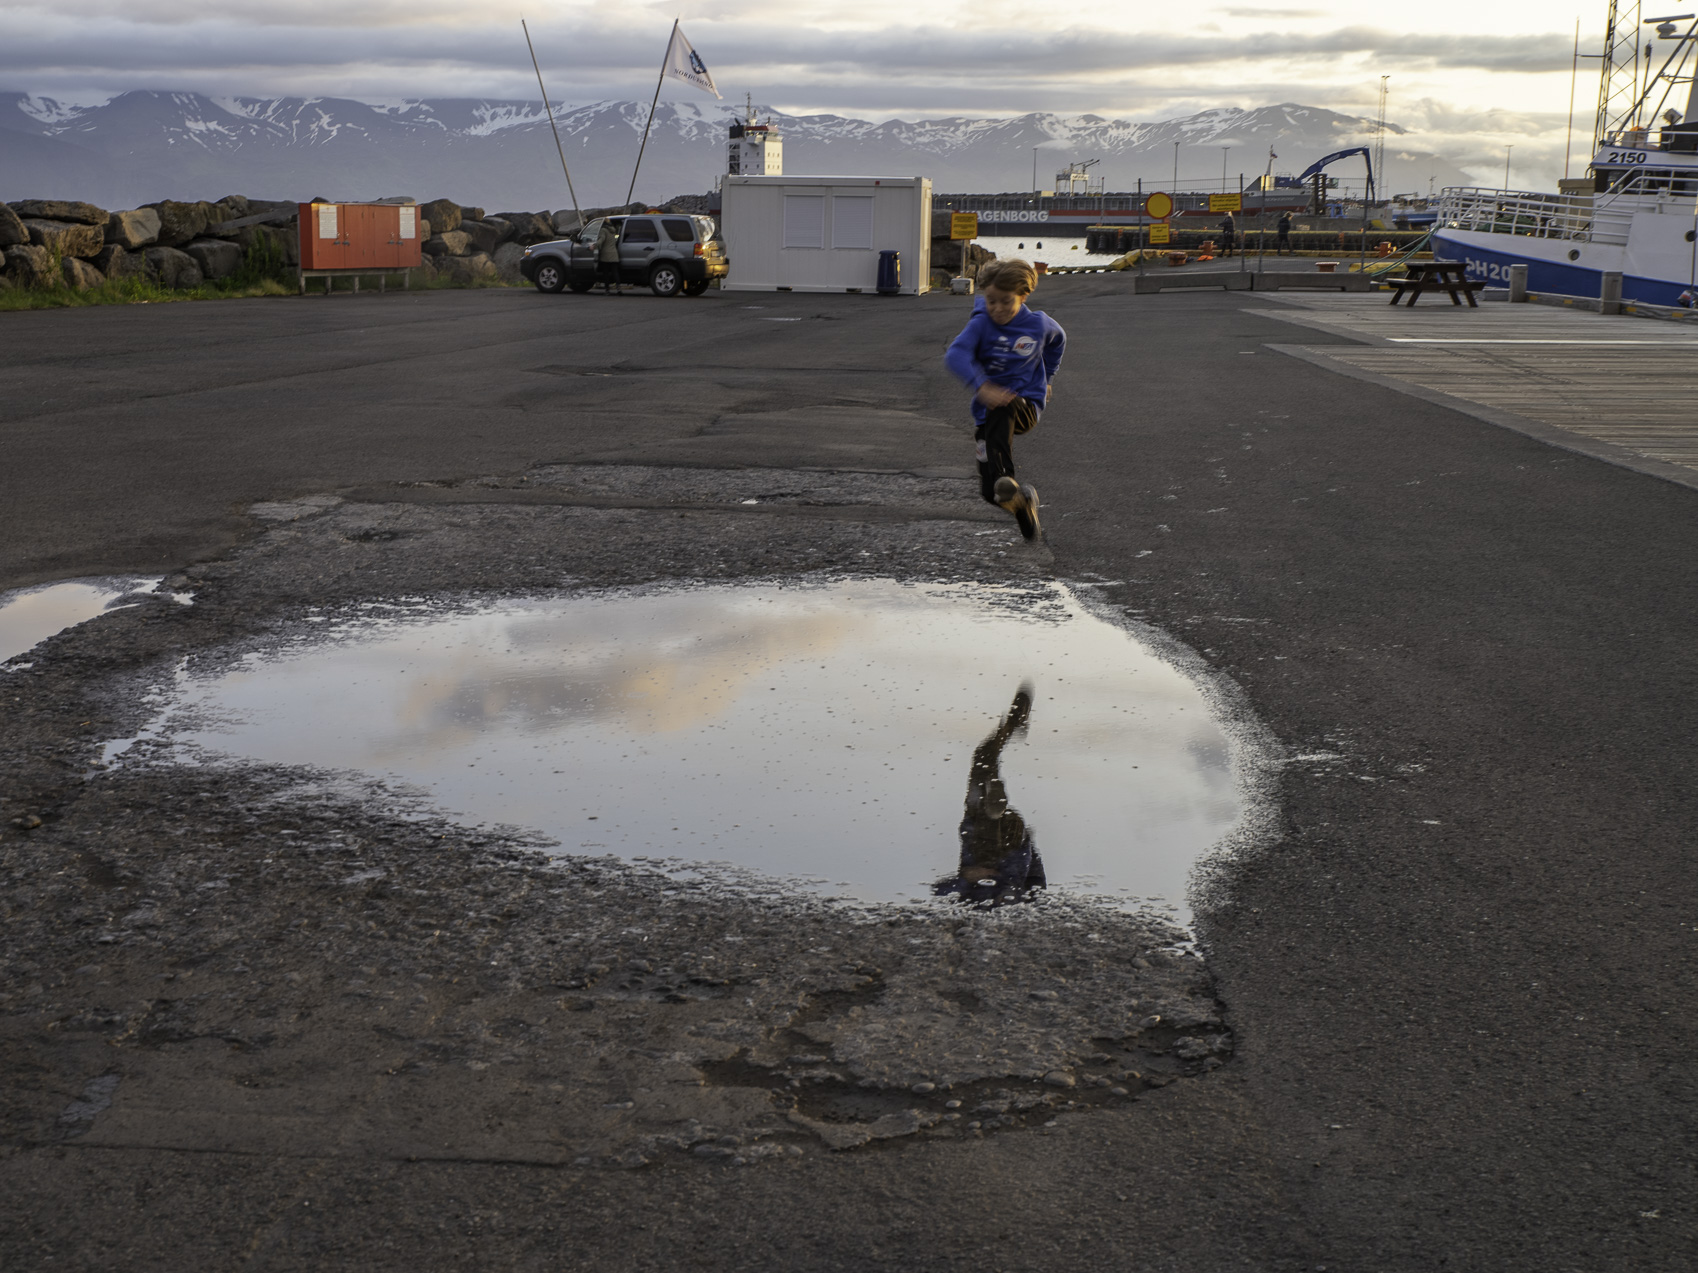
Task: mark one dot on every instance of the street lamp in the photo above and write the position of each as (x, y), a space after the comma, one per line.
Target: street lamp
(1224, 151)
(1175, 167)
(1506, 151)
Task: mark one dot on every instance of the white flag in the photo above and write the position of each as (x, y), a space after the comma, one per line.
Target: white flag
(684, 63)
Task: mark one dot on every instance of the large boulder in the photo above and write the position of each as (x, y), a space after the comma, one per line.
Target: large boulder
(217, 258)
(61, 210)
(470, 214)
(283, 243)
(30, 266)
(565, 221)
(238, 205)
(115, 262)
(486, 235)
(443, 215)
(453, 243)
(12, 228)
(179, 222)
(135, 229)
(220, 214)
(463, 271)
(67, 238)
(80, 275)
(173, 268)
(507, 258)
(528, 227)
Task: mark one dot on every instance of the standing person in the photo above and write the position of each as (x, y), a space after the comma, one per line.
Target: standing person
(1007, 355)
(1284, 246)
(607, 258)
(1228, 234)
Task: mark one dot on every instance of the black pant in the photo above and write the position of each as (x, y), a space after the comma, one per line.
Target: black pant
(1284, 244)
(994, 441)
(607, 274)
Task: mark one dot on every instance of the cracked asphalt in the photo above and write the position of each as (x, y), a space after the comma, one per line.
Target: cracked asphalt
(1440, 1011)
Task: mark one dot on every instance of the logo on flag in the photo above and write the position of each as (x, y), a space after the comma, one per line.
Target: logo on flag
(684, 63)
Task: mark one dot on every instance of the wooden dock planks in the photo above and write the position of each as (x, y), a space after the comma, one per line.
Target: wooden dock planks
(1625, 381)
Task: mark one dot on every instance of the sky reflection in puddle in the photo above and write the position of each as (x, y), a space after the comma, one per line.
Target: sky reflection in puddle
(30, 615)
(823, 732)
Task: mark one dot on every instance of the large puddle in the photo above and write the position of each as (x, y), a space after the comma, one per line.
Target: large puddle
(29, 616)
(869, 739)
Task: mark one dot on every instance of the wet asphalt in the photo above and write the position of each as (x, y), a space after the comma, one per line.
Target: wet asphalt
(1459, 974)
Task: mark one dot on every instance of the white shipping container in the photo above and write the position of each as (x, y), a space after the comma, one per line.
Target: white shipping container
(824, 234)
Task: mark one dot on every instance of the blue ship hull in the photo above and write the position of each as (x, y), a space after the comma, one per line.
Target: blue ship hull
(1490, 265)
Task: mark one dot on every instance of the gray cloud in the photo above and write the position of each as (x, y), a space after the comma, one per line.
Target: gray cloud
(919, 63)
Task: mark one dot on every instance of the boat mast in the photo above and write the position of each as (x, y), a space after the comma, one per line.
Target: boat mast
(1618, 76)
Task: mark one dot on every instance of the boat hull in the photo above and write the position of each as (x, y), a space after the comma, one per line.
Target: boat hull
(1567, 267)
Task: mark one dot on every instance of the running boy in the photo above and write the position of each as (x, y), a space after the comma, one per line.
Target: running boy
(1007, 355)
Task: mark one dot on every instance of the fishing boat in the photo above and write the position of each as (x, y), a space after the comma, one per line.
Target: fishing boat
(1635, 214)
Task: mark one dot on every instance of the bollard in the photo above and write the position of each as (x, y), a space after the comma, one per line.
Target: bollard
(1517, 282)
(1609, 294)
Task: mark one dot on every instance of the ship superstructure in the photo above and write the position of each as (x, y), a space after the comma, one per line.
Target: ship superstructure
(754, 149)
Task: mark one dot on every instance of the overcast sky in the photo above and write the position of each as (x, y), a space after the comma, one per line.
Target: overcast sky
(1467, 76)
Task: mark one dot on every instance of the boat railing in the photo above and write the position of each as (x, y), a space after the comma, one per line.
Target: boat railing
(1532, 213)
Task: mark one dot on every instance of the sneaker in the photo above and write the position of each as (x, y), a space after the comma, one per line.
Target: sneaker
(1007, 494)
(1026, 512)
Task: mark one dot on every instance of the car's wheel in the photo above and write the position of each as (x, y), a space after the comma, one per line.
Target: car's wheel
(550, 277)
(696, 288)
(581, 285)
(664, 280)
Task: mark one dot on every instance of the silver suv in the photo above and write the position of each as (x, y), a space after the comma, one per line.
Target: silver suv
(670, 252)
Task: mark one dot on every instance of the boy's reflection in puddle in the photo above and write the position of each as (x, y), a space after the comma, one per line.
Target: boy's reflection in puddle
(999, 861)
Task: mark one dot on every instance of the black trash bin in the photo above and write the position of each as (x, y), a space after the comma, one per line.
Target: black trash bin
(889, 273)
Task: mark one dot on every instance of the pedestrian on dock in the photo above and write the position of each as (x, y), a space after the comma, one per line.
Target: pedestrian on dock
(1284, 246)
(1007, 354)
(1228, 234)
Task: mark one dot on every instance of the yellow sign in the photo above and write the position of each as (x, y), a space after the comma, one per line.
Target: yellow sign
(1226, 203)
(1158, 234)
(1159, 206)
(963, 225)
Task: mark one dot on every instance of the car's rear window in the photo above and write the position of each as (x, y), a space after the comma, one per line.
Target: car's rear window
(679, 230)
(641, 231)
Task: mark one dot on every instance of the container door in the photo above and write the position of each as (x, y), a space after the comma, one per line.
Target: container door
(361, 237)
(322, 226)
(407, 245)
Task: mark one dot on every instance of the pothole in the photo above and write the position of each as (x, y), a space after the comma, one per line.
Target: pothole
(865, 739)
(28, 616)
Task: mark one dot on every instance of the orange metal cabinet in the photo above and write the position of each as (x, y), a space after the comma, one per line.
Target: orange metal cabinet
(359, 236)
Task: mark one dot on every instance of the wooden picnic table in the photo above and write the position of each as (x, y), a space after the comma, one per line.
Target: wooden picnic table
(1435, 276)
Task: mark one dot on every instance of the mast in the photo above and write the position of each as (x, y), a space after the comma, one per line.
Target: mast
(1380, 133)
(1618, 75)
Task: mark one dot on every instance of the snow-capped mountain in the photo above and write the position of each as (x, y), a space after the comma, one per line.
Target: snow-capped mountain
(143, 146)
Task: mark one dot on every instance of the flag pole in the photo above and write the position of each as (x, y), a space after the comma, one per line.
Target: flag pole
(659, 80)
(557, 146)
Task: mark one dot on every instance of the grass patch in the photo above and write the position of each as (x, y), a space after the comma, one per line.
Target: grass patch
(134, 291)
(262, 273)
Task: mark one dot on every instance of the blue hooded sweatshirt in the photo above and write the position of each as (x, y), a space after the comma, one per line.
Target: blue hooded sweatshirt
(1022, 356)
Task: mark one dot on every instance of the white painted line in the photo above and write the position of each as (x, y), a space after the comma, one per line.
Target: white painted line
(1482, 340)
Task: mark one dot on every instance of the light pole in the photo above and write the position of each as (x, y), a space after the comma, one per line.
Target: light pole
(1034, 170)
(1175, 168)
(1506, 151)
(1224, 151)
